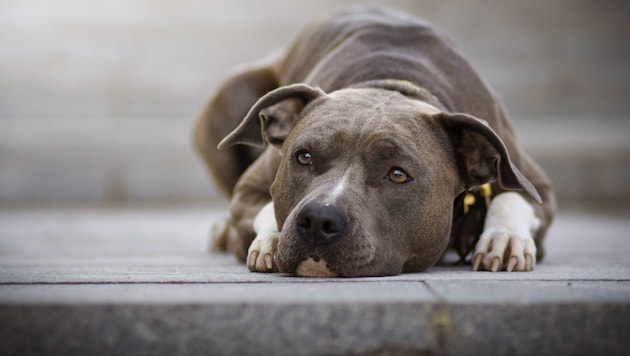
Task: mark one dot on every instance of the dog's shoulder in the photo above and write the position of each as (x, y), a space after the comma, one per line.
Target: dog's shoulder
(369, 18)
(357, 17)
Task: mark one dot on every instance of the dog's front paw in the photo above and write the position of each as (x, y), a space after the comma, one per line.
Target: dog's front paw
(507, 243)
(260, 257)
(504, 250)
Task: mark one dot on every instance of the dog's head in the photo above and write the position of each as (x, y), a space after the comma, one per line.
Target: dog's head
(368, 175)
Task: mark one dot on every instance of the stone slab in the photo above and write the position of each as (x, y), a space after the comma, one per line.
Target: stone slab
(217, 329)
(134, 280)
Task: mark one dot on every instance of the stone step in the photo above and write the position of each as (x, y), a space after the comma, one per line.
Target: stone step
(137, 280)
(131, 159)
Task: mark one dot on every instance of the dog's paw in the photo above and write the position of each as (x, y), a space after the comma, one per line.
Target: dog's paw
(504, 250)
(260, 256)
(507, 243)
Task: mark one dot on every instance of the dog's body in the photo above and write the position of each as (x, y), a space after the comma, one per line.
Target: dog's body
(368, 157)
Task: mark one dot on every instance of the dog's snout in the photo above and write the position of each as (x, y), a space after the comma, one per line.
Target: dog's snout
(320, 224)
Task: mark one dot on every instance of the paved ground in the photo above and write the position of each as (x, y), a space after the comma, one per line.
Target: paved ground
(138, 281)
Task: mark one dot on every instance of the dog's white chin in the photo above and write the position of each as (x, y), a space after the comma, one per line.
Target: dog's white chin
(310, 268)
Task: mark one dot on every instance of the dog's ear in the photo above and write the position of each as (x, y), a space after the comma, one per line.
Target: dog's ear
(481, 154)
(272, 116)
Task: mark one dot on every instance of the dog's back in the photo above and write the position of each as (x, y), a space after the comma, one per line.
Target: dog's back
(373, 43)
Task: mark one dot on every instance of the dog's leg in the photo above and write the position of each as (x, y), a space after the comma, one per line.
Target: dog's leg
(223, 113)
(507, 242)
(250, 195)
(261, 251)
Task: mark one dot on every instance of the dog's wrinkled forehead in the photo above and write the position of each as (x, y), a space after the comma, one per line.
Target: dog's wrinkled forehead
(357, 111)
(364, 101)
(379, 97)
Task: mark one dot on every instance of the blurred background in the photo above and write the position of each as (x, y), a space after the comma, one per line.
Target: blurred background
(98, 98)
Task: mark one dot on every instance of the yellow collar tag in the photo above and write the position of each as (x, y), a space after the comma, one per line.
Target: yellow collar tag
(484, 191)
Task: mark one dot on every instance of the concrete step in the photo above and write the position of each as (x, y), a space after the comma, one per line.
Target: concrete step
(137, 280)
(153, 59)
(130, 159)
(587, 158)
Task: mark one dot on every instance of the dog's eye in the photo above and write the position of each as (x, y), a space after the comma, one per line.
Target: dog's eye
(398, 176)
(303, 157)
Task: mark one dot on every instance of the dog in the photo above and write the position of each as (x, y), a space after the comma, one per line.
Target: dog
(369, 148)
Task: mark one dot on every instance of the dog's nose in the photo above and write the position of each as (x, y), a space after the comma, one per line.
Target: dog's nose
(320, 224)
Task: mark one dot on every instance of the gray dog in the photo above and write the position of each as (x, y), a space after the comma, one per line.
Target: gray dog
(377, 136)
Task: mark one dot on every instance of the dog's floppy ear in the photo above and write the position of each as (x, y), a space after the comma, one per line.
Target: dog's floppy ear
(272, 116)
(481, 154)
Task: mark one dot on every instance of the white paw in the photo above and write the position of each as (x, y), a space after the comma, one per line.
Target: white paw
(503, 250)
(507, 243)
(260, 256)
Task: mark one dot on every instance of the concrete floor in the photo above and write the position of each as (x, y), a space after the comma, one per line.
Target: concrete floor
(138, 280)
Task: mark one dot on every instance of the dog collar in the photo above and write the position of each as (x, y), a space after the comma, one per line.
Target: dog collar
(483, 191)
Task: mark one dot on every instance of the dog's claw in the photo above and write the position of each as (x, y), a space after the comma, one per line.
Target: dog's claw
(269, 262)
(251, 261)
(529, 262)
(496, 262)
(477, 261)
(512, 263)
